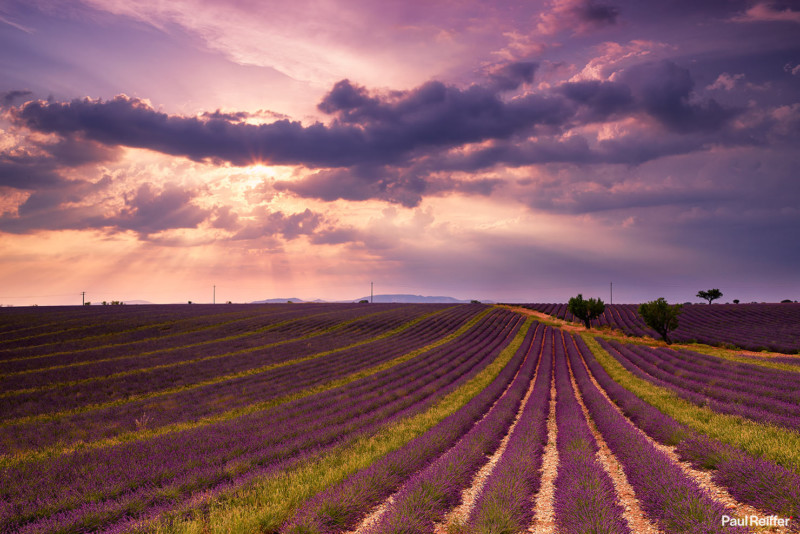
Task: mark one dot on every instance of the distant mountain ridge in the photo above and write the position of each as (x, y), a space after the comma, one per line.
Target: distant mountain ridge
(394, 298)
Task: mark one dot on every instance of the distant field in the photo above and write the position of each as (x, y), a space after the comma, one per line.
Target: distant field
(282, 418)
(770, 327)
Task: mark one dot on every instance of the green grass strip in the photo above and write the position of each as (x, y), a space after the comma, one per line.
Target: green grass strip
(774, 443)
(264, 505)
(145, 433)
(55, 385)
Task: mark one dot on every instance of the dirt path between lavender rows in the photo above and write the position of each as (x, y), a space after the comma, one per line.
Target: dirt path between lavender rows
(377, 512)
(700, 477)
(637, 520)
(460, 514)
(543, 513)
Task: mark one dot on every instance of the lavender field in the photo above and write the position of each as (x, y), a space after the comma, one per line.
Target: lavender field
(380, 418)
(770, 327)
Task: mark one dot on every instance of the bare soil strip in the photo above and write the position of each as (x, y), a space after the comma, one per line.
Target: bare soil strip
(701, 478)
(543, 513)
(633, 513)
(373, 516)
(460, 514)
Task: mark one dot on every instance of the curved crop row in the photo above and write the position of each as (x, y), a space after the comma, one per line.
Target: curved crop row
(506, 502)
(170, 375)
(767, 486)
(425, 497)
(667, 495)
(585, 498)
(342, 506)
(771, 399)
(169, 468)
(773, 327)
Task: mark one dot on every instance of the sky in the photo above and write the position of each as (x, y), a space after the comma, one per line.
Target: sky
(497, 150)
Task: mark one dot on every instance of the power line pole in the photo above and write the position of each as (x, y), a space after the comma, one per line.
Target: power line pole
(370, 292)
(214, 298)
(83, 298)
(611, 287)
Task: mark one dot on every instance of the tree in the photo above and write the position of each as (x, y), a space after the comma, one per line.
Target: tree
(711, 294)
(586, 310)
(661, 316)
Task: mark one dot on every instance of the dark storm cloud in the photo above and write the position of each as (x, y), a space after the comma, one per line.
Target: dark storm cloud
(27, 173)
(390, 128)
(390, 145)
(364, 129)
(600, 100)
(664, 89)
(596, 14)
(363, 182)
(7, 98)
(512, 75)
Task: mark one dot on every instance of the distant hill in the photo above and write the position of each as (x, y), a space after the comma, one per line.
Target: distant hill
(398, 298)
(414, 299)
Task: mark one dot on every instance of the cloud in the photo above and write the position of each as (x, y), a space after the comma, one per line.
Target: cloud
(361, 182)
(365, 129)
(794, 70)
(269, 224)
(664, 91)
(7, 98)
(576, 16)
(149, 211)
(769, 12)
(725, 82)
(510, 76)
(399, 146)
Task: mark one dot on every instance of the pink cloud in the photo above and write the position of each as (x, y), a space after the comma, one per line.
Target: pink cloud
(768, 12)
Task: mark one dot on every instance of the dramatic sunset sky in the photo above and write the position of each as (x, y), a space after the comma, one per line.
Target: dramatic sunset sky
(507, 150)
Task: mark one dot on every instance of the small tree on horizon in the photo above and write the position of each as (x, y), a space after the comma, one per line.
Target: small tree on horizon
(661, 316)
(711, 294)
(586, 310)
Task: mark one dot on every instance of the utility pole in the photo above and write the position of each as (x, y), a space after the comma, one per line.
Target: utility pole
(83, 298)
(611, 287)
(214, 298)
(370, 292)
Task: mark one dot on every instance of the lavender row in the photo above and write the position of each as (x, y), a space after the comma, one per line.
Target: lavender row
(713, 371)
(27, 324)
(130, 477)
(722, 399)
(506, 502)
(343, 505)
(585, 498)
(774, 327)
(429, 493)
(22, 374)
(667, 495)
(105, 327)
(171, 339)
(236, 355)
(771, 488)
(207, 400)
